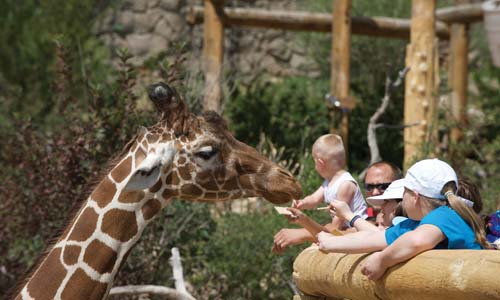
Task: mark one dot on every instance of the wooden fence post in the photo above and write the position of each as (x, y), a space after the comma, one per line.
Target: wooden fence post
(458, 72)
(213, 51)
(420, 87)
(340, 60)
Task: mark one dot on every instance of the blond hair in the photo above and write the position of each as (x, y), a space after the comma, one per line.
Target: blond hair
(465, 212)
(330, 147)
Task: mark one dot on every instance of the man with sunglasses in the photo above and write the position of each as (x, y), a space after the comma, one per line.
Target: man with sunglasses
(378, 177)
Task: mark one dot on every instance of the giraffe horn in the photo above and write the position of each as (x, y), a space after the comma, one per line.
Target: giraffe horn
(168, 102)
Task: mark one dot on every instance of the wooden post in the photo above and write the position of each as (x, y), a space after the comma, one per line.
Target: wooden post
(420, 87)
(458, 71)
(213, 51)
(341, 48)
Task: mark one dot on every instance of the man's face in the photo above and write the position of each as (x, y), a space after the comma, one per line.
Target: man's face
(377, 179)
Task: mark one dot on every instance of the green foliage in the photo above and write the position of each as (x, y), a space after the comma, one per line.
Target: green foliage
(294, 106)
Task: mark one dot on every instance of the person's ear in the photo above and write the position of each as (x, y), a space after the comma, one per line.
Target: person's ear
(321, 162)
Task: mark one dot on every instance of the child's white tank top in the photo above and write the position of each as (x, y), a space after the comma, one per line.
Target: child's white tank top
(357, 205)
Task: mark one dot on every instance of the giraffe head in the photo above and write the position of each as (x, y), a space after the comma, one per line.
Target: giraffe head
(197, 158)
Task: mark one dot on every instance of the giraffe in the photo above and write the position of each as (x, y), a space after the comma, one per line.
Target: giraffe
(182, 156)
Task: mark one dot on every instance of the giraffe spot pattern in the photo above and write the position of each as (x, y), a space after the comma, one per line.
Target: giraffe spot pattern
(139, 156)
(46, 281)
(152, 138)
(119, 224)
(104, 192)
(85, 225)
(167, 194)
(210, 195)
(230, 184)
(156, 187)
(71, 254)
(151, 208)
(181, 160)
(131, 197)
(185, 171)
(191, 190)
(121, 171)
(100, 257)
(172, 178)
(93, 290)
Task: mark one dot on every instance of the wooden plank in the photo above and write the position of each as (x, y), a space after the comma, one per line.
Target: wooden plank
(340, 60)
(420, 88)
(213, 51)
(308, 21)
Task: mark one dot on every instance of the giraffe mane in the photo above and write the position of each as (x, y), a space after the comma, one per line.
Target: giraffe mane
(73, 212)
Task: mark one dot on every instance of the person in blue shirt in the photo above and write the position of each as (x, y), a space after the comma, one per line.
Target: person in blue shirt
(437, 219)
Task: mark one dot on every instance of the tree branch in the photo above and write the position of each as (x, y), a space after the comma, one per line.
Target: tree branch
(390, 86)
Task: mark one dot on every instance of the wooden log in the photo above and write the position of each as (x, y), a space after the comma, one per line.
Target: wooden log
(420, 87)
(458, 73)
(436, 274)
(213, 51)
(307, 21)
(340, 59)
(462, 13)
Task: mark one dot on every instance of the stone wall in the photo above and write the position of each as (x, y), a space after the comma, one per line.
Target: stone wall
(148, 27)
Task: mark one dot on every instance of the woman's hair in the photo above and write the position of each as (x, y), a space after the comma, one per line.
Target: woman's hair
(468, 190)
(467, 213)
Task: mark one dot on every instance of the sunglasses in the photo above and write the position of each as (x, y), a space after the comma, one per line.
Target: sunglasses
(380, 186)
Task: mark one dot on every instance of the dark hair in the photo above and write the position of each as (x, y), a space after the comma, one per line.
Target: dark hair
(396, 171)
(468, 190)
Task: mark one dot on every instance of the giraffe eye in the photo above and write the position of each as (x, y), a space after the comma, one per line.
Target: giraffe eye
(206, 153)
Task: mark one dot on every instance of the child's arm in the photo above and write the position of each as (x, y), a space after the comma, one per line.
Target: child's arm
(309, 224)
(357, 242)
(424, 237)
(311, 201)
(347, 191)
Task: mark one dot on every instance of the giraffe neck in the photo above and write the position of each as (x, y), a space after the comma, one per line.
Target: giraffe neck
(86, 258)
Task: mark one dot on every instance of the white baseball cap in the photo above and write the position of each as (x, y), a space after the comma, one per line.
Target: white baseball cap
(428, 177)
(394, 191)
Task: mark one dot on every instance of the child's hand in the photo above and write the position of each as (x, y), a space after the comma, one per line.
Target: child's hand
(373, 268)
(297, 204)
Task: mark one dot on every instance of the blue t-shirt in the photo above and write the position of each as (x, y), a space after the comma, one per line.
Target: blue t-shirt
(459, 235)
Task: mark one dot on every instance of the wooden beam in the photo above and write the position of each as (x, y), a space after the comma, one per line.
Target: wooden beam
(461, 13)
(420, 87)
(434, 274)
(340, 60)
(213, 51)
(458, 73)
(308, 21)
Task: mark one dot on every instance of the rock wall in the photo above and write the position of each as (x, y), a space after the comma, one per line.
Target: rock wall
(148, 27)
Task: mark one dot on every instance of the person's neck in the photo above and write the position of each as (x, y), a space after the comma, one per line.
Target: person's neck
(334, 175)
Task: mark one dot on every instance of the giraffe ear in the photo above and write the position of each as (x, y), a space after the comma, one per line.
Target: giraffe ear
(146, 174)
(149, 170)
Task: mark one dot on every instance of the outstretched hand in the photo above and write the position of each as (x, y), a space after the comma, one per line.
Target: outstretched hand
(287, 237)
(341, 209)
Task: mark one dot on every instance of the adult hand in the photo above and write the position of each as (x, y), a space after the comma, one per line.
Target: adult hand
(373, 267)
(287, 237)
(325, 241)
